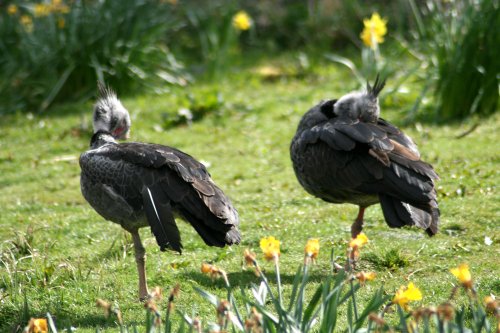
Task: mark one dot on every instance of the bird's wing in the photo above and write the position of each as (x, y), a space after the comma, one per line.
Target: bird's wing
(404, 151)
(189, 187)
(381, 140)
(372, 158)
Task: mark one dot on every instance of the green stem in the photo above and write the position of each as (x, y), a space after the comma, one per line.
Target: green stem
(271, 295)
(167, 319)
(354, 300)
(278, 280)
(300, 298)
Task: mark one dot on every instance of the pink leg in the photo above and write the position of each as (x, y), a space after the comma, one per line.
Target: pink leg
(357, 226)
(140, 259)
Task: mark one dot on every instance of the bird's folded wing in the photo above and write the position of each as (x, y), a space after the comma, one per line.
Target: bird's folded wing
(183, 179)
(381, 140)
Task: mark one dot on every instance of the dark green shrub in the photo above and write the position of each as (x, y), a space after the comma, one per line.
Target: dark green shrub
(462, 41)
(56, 51)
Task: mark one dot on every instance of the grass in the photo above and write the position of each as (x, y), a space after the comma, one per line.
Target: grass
(60, 256)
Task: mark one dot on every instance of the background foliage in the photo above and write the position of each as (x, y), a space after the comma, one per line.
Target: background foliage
(56, 50)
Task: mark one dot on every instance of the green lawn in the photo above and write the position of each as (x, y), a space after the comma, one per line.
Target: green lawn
(61, 256)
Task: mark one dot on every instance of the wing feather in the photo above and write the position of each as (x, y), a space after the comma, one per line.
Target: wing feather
(161, 219)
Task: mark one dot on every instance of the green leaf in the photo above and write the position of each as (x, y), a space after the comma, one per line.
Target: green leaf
(295, 285)
(208, 296)
(349, 64)
(306, 320)
(349, 316)
(374, 303)
(349, 293)
(263, 311)
(52, 326)
(57, 87)
(403, 325)
(332, 306)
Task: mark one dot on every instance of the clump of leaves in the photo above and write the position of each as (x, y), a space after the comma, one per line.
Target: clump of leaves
(197, 106)
(59, 56)
(391, 259)
(23, 241)
(459, 42)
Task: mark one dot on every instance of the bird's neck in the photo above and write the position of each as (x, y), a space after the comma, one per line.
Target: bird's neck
(100, 138)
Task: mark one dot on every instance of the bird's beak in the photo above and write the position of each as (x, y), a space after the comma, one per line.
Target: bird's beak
(120, 133)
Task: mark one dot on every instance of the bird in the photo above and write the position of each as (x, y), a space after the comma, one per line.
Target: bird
(137, 184)
(344, 152)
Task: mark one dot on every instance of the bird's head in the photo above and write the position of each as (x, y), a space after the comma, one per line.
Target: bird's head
(316, 115)
(361, 105)
(109, 113)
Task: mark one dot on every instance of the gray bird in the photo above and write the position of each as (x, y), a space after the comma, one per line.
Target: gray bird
(139, 184)
(343, 152)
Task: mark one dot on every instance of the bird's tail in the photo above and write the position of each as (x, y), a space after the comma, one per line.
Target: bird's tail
(201, 203)
(161, 219)
(216, 220)
(398, 214)
(224, 234)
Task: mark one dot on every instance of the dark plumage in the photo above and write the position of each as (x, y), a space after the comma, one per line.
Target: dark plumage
(343, 152)
(139, 184)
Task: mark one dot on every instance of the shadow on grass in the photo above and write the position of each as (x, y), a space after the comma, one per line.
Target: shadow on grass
(246, 279)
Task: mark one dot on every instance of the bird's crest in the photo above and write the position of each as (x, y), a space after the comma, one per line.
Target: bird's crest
(378, 85)
(104, 91)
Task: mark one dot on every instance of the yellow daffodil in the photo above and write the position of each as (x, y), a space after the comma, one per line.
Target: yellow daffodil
(12, 9)
(207, 268)
(270, 247)
(363, 277)
(57, 6)
(312, 248)
(37, 325)
(446, 311)
(355, 244)
(491, 304)
(374, 30)
(61, 23)
(104, 305)
(109, 309)
(26, 22)
(213, 271)
(359, 241)
(407, 294)
(379, 321)
(242, 20)
(249, 257)
(463, 275)
(41, 10)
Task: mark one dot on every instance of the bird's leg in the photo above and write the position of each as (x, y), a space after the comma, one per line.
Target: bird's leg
(357, 226)
(140, 259)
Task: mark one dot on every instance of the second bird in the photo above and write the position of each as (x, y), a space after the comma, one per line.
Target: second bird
(139, 184)
(343, 152)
